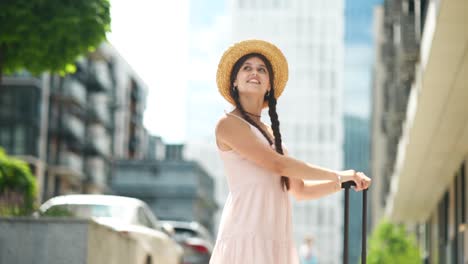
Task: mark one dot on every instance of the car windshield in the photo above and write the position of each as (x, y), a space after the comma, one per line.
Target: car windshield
(184, 232)
(88, 211)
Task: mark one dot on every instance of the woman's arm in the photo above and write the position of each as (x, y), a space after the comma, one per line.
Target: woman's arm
(238, 135)
(312, 190)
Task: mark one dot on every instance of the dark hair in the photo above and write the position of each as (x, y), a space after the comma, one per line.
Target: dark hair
(271, 106)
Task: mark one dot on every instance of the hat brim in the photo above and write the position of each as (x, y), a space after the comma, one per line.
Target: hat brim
(238, 50)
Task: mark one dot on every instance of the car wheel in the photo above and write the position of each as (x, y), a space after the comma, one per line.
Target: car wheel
(148, 260)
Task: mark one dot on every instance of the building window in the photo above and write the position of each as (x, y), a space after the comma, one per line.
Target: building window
(276, 3)
(321, 133)
(459, 214)
(57, 185)
(408, 7)
(320, 214)
(6, 104)
(4, 136)
(423, 10)
(443, 224)
(332, 106)
(332, 84)
(427, 241)
(411, 7)
(463, 192)
(396, 34)
(31, 139)
(19, 140)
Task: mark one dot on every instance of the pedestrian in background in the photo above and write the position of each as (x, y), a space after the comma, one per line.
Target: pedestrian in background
(307, 252)
(256, 224)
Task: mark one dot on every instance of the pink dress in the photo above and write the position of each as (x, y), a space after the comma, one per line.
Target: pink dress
(255, 226)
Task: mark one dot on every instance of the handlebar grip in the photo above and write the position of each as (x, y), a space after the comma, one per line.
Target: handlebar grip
(348, 184)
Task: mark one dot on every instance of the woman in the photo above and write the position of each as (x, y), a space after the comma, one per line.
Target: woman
(256, 225)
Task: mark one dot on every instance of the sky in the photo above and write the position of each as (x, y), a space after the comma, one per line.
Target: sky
(359, 57)
(174, 46)
(209, 36)
(153, 37)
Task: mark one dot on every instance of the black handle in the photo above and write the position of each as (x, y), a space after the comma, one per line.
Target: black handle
(364, 226)
(347, 185)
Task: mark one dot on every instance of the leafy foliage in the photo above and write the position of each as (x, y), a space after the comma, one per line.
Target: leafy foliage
(57, 211)
(48, 35)
(391, 244)
(17, 186)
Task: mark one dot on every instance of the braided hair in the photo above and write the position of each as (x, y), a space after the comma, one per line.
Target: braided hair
(270, 97)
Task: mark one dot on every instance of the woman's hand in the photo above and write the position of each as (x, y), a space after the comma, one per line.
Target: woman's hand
(362, 181)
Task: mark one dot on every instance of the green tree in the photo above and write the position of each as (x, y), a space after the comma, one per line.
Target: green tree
(391, 244)
(17, 186)
(49, 35)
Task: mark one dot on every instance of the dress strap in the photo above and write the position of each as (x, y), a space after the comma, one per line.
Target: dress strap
(238, 117)
(243, 120)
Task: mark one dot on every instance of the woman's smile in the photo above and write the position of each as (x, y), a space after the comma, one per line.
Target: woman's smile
(254, 80)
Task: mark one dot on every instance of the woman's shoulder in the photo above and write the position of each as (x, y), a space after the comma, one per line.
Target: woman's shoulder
(228, 128)
(230, 122)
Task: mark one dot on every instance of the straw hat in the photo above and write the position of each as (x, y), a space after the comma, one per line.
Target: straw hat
(236, 51)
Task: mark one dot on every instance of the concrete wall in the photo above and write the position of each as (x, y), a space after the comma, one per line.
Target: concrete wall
(58, 241)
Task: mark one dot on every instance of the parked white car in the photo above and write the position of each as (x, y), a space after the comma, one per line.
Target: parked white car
(126, 215)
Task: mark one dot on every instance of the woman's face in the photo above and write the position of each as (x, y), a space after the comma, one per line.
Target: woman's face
(253, 77)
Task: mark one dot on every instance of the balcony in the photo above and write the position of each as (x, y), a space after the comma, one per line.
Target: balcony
(81, 69)
(387, 51)
(73, 126)
(133, 144)
(98, 141)
(136, 119)
(70, 164)
(98, 109)
(409, 40)
(75, 91)
(99, 76)
(135, 94)
(96, 171)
